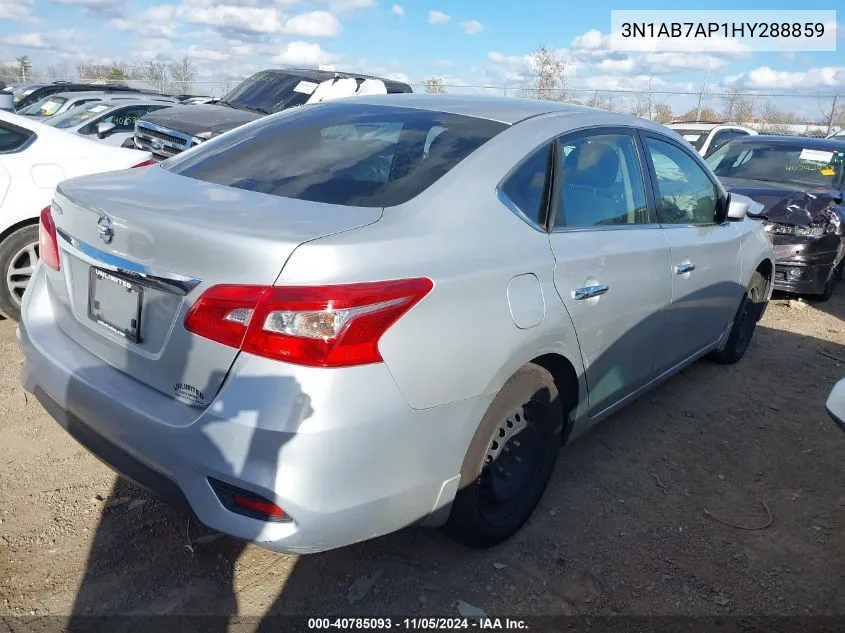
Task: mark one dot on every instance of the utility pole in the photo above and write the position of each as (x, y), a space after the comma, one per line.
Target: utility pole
(700, 95)
(832, 113)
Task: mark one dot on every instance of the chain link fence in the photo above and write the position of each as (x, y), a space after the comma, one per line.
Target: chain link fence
(807, 114)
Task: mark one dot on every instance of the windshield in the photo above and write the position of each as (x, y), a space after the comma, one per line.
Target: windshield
(76, 116)
(48, 106)
(23, 91)
(269, 92)
(782, 163)
(336, 153)
(695, 138)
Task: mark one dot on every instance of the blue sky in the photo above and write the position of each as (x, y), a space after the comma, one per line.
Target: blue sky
(466, 42)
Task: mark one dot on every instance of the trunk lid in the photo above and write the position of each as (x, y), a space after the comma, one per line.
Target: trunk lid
(173, 237)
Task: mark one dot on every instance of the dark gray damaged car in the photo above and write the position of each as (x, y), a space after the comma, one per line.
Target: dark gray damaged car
(801, 184)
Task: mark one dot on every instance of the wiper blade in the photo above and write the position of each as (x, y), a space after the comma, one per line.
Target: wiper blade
(254, 109)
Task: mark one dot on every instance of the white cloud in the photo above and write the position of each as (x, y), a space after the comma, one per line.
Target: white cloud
(438, 17)
(346, 6)
(25, 40)
(205, 54)
(15, 9)
(397, 10)
(303, 53)
(472, 27)
(590, 41)
(156, 22)
(765, 77)
(626, 65)
(249, 19)
(313, 24)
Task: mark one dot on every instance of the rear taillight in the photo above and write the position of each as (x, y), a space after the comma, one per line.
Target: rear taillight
(146, 163)
(48, 245)
(318, 326)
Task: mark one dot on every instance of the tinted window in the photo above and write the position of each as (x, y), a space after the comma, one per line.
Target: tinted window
(601, 183)
(339, 153)
(796, 163)
(686, 193)
(123, 118)
(12, 138)
(526, 187)
(268, 92)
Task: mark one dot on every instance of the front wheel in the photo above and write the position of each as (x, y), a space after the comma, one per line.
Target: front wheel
(509, 461)
(749, 312)
(18, 257)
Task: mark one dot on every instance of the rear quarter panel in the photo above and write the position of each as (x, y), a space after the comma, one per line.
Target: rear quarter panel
(460, 341)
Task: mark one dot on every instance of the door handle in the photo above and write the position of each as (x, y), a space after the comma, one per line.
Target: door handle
(680, 269)
(589, 291)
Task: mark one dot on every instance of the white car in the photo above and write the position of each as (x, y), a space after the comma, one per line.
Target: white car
(61, 102)
(836, 404)
(707, 137)
(34, 158)
(109, 122)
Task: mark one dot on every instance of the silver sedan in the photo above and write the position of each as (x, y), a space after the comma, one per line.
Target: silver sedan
(109, 122)
(350, 317)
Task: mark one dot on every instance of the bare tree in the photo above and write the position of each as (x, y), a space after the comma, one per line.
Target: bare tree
(737, 108)
(183, 73)
(600, 101)
(833, 111)
(57, 73)
(549, 68)
(155, 73)
(663, 113)
(434, 85)
(89, 71)
(9, 72)
(775, 121)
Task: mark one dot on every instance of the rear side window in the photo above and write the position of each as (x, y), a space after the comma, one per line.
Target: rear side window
(339, 153)
(12, 138)
(526, 187)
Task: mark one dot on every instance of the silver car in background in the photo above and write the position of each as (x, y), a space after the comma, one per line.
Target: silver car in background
(109, 122)
(350, 317)
(59, 103)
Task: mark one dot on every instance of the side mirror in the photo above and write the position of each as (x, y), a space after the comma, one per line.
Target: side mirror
(722, 205)
(738, 207)
(104, 128)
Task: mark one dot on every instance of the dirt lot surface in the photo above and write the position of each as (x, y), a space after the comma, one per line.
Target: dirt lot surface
(644, 515)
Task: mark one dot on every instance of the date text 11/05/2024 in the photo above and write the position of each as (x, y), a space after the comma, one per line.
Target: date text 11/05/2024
(421, 623)
(722, 29)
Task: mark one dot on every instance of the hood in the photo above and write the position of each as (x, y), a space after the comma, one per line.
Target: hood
(787, 203)
(196, 119)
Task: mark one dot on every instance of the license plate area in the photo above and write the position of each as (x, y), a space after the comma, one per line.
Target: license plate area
(114, 303)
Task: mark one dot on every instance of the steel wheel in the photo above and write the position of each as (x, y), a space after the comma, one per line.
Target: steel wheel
(20, 269)
(511, 464)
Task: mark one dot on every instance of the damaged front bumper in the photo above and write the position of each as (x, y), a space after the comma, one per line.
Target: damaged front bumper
(803, 265)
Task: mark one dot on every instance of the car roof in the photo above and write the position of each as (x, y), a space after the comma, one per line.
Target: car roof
(323, 75)
(811, 142)
(508, 110)
(108, 96)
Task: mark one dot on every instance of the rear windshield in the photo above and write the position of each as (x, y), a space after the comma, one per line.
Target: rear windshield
(695, 138)
(339, 153)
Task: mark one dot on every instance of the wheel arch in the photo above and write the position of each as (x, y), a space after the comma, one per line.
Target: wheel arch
(568, 385)
(16, 227)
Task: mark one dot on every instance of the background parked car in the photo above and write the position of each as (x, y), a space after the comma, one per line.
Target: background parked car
(45, 90)
(166, 134)
(19, 91)
(34, 158)
(801, 183)
(64, 101)
(312, 370)
(111, 122)
(707, 137)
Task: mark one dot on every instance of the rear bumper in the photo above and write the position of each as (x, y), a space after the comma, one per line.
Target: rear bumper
(340, 451)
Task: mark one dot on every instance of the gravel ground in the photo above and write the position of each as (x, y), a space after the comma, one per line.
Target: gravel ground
(720, 492)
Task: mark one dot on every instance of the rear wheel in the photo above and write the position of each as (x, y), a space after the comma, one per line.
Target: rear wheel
(509, 461)
(750, 310)
(18, 256)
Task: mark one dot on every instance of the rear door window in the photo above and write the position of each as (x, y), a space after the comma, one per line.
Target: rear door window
(12, 137)
(338, 153)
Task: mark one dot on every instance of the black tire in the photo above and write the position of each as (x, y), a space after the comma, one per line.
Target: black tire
(827, 293)
(509, 461)
(750, 311)
(13, 253)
